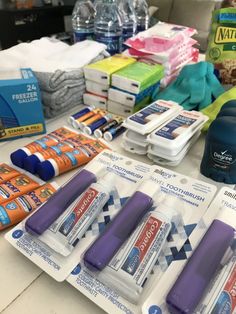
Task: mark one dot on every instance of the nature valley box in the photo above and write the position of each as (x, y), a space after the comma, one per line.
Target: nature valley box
(21, 111)
(222, 45)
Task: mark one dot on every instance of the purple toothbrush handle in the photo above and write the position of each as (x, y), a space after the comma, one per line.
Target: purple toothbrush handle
(42, 219)
(100, 253)
(189, 288)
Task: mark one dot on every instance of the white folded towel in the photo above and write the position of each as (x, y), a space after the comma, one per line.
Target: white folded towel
(48, 55)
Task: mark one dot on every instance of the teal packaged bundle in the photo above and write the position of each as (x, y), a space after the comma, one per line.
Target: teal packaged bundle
(195, 88)
(137, 77)
(21, 111)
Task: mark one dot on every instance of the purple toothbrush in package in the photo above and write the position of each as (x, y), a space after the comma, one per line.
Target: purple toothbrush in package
(42, 219)
(120, 228)
(201, 267)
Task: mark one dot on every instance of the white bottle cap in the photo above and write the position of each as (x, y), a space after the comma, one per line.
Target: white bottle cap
(149, 188)
(107, 136)
(169, 206)
(75, 124)
(171, 201)
(87, 130)
(71, 120)
(97, 133)
(98, 169)
(108, 180)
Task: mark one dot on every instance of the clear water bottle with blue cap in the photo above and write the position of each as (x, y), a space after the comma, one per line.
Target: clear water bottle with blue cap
(142, 14)
(83, 20)
(129, 18)
(108, 25)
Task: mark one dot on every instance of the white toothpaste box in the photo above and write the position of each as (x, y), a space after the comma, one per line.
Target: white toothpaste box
(95, 101)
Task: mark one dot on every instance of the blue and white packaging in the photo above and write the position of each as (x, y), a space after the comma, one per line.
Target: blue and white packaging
(220, 296)
(194, 196)
(119, 109)
(171, 137)
(129, 99)
(96, 88)
(96, 101)
(21, 111)
(155, 302)
(131, 266)
(151, 117)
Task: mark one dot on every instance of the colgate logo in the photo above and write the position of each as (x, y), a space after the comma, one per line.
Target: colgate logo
(85, 202)
(149, 235)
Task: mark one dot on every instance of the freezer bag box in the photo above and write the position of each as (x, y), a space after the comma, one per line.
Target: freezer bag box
(21, 111)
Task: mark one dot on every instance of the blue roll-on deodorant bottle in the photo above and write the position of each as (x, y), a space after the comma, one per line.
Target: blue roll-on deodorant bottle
(230, 112)
(219, 159)
(228, 109)
(229, 104)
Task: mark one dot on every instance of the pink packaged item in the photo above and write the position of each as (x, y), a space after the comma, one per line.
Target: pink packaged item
(179, 61)
(167, 55)
(169, 78)
(174, 71)
(160, 37)
(189, 55)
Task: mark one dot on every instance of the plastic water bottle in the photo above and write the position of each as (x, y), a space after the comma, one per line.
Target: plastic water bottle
(142, 14)
(83, 20)
(108, 26)
(96, 4)
(129, 18)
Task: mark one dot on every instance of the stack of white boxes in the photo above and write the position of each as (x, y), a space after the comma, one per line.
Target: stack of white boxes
(96, 94)
(98, 78)
(133, 86)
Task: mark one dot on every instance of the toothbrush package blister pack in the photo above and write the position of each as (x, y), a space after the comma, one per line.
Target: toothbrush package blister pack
(177, 221)
(143, 122)
(162, 131)
(219, 296)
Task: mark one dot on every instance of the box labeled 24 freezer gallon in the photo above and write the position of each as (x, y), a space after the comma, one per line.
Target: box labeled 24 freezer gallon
(21, 111)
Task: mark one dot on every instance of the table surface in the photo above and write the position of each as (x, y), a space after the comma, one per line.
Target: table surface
(25, 288)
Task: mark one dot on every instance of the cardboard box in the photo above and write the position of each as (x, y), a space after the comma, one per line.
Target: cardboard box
(21, 111)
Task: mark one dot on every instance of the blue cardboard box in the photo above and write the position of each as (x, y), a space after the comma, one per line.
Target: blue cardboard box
(21, 112)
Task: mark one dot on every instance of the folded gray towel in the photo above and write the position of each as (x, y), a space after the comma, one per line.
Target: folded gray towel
(51, 113)
(61, 97)
(52, 82)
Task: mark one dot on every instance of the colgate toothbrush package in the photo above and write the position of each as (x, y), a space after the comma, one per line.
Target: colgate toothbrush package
(159, 234)
(217, 294)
